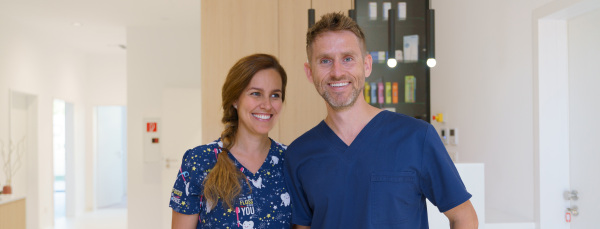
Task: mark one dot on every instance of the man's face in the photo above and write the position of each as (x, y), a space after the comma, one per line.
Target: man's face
(338, 68)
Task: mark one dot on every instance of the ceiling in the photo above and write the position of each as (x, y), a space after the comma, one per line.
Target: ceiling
(102, 23)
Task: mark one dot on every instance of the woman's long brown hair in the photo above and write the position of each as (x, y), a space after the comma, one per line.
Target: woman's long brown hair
(224, 179)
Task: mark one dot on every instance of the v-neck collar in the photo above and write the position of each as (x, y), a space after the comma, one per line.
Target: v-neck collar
(339, 143)
(262, 166)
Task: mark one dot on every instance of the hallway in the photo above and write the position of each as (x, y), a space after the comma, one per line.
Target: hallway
(114, 218)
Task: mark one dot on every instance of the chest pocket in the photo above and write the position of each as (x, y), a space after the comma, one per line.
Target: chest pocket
(395, 197)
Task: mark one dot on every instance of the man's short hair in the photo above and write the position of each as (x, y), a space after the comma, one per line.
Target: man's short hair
(332, 22)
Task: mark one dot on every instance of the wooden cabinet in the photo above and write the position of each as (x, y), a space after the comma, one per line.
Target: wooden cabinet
(12, 214)
(232, 29)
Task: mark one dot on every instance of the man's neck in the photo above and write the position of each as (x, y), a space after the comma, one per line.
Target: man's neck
(348, 123)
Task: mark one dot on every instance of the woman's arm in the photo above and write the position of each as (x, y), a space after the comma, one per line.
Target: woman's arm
(183, 221)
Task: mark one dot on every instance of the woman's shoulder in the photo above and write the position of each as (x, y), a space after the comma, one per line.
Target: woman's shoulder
(280, 145)
(278, 148)
(206, 151)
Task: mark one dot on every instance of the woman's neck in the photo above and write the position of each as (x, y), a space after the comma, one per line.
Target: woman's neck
(249, 144)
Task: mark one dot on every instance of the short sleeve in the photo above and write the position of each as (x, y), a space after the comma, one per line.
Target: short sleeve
(185, 196)
(439, 179)
(301, 212)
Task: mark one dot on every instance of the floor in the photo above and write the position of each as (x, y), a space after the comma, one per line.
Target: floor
(113, 217)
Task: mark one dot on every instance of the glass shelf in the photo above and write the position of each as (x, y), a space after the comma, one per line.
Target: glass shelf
(411, 79)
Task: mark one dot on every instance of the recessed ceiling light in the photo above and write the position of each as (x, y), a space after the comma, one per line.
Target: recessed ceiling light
(77, 24)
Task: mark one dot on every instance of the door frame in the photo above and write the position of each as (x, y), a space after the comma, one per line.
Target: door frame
(69, 159)
(551, 108)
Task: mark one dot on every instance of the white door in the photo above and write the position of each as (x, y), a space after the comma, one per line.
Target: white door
(181, 130)
(110, 154)
(584, 122)
(565, 107)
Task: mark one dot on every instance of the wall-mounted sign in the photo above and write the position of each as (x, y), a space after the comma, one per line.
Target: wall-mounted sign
(151, 140)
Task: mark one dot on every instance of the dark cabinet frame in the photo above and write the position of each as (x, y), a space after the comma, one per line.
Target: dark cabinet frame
(376, 32)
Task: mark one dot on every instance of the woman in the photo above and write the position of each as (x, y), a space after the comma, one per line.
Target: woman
(237, 181)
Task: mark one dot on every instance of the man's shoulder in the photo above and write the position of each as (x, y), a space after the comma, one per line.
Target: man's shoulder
(312, 135)
(402, 121)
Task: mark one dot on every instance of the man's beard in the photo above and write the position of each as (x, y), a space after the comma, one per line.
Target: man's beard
(340, 105)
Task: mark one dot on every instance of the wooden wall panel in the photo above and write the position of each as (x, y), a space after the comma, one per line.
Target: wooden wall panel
(231, 29)
(12, 215)
(323, 7)
(304, 107)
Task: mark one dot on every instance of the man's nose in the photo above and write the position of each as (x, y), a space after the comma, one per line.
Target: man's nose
(336, 68)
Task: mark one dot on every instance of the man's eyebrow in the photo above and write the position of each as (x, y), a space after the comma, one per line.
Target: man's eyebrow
(349, 53)
(320, 56)
(344, 53)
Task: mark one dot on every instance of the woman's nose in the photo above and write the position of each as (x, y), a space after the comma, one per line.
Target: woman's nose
(266, 104)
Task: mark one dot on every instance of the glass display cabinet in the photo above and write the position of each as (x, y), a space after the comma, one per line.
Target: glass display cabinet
(403, 88)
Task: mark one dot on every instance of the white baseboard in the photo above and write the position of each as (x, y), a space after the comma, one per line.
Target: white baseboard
(510, 226)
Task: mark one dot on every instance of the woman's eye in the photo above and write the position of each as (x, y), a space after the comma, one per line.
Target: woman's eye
(255, 93)
(276, 95)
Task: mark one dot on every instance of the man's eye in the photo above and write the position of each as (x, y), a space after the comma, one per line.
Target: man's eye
(347, 59)
(325, 61)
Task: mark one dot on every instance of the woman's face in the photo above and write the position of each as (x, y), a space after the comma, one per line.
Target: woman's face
(259, 105)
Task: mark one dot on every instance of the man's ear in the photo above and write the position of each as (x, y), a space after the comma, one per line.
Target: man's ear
(368, 65)
(308, 72)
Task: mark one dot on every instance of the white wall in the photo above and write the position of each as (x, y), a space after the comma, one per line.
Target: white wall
(42, 65)
(483, 85)
(157, 58)
(47, 69)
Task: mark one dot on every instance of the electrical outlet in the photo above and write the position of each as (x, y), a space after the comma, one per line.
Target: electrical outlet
(453, 136)
(444, 135)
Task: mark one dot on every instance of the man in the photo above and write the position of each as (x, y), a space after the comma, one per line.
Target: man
(363, 167)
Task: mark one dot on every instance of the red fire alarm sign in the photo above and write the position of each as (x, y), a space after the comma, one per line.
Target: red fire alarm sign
(151, 127)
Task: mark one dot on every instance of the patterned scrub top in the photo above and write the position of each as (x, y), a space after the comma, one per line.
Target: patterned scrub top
(266, 206)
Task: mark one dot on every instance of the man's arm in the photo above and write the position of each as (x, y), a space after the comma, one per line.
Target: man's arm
(300, 227)
(183, 221)
(463, 216)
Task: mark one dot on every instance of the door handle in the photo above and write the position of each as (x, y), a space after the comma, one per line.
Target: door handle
(573, 210)
(168, 162)
(571, 195)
